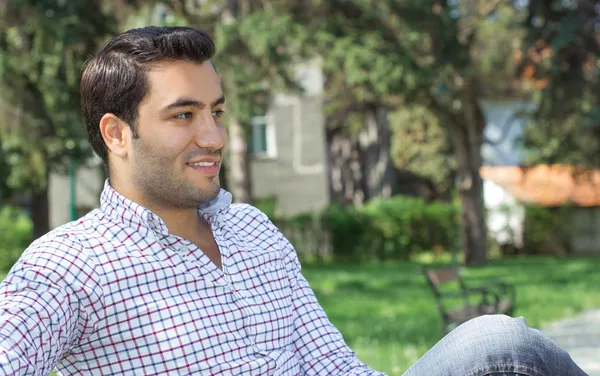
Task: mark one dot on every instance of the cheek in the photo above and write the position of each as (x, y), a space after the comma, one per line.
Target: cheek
(172, 142)
(159, 149)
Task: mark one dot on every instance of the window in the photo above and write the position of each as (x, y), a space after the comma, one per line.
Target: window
(263, 137)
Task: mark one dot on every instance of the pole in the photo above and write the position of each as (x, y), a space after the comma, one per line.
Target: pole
(72, 187)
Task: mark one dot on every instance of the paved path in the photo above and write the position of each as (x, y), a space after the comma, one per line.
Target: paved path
(580, 337)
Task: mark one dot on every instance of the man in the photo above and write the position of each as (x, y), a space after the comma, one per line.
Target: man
(168, 277)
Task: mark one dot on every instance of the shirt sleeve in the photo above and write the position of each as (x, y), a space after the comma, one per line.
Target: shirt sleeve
(319, 345)
(48, 303)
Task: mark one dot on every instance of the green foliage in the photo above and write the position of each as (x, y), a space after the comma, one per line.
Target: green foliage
(420, 145)
(43, 45)
(382, 52)
(267, 205)
(307, 235)
(15, 235)
(384, 229)
(494, 50)
(352, 234)
(547, 230)
(562, 53)
(411, 225)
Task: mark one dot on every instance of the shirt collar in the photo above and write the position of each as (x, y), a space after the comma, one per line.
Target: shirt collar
(133, 214)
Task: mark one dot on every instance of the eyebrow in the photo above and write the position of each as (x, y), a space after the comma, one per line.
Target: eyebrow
(187, 102)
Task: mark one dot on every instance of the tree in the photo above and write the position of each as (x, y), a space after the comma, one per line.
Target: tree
(561, 56)
(420, 146)
(381, 55)
(43, 45)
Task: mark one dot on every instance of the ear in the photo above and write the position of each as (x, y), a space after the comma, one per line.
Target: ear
(116, 134)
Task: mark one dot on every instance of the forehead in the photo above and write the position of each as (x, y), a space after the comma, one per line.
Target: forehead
(170, 81)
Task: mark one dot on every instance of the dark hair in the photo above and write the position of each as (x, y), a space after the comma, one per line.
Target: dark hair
(115, 80)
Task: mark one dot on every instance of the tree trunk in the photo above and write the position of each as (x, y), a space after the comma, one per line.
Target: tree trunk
(239, 162)
(473, 229)
(466, 139)
(360, 167)
(39, 212)
(374, 139)
(344, 169)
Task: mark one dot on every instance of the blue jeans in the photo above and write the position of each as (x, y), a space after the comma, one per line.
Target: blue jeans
(495, 345)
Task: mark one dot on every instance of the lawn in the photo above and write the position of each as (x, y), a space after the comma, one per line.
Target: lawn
(387, 313)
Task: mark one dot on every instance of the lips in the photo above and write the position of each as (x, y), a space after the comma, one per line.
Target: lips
(202, 164)
(207, 167)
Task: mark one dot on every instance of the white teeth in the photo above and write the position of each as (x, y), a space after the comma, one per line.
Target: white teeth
(203, 164)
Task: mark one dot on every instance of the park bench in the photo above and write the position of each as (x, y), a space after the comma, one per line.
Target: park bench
(458, 302)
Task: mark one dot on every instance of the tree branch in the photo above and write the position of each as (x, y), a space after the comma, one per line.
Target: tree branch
(469, 31)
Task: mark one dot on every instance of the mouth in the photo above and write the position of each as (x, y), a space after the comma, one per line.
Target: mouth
(210, 168)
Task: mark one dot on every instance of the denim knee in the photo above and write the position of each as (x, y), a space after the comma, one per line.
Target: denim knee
(495, 344)
(503, 340)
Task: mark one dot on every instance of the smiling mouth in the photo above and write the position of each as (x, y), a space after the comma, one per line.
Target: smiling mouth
(203, 164)
(206, 168)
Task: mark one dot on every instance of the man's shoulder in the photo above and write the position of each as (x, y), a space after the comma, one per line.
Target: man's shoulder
(69, 240)
(72, 232)
(61, 257)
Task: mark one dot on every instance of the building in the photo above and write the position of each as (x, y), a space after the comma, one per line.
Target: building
(576, 192)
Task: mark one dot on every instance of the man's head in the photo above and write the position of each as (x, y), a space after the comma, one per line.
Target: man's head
(152, 104)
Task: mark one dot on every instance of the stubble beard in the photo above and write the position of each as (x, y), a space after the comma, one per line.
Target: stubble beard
(155, 175)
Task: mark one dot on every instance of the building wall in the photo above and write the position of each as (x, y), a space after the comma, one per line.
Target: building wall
(89, 183)
(585, 231)
(296, 176)
(505, 215)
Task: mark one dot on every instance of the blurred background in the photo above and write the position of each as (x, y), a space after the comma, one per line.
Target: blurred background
(381, 136)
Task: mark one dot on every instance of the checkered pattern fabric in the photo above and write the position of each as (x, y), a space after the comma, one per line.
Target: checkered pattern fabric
(115, 294)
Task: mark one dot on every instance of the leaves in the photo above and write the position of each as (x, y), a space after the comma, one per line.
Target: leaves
(562, 55)
(43, 45)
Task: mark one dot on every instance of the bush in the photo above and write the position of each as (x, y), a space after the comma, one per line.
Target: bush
(308, 236)
(410, 224)
(352, 233)
(383, 229)
(15, 235)
(547, 230)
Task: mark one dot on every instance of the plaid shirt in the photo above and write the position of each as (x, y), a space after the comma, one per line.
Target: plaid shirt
(115, 294)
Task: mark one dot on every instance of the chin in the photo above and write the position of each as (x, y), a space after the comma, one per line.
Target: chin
(208, 192)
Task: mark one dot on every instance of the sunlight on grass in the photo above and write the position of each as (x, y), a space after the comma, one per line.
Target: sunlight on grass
(388, 315)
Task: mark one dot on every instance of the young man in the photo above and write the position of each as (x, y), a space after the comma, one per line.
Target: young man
(168, 277)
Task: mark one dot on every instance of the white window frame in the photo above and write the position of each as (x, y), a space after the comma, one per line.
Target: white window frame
(271, 146)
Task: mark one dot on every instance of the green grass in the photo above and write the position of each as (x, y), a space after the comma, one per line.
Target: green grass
(387, 313)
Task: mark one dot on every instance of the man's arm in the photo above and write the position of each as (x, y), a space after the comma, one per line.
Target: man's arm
(48, 303)
(319, 344)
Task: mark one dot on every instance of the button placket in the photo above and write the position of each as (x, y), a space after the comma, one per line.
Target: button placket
(238, 297)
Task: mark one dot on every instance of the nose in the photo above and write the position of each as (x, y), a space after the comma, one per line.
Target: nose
(209, 134)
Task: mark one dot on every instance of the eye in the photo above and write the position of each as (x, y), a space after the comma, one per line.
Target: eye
(218, 113)
(183, 115)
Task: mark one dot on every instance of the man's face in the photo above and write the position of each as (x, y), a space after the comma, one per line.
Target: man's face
(175, 161)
